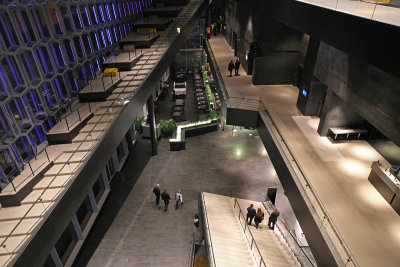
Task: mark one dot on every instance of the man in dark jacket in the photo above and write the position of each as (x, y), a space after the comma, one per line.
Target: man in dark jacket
(165, 196)
(157, 192)
(231, 66)
(237, 65)
(273, 218)
(251, 212)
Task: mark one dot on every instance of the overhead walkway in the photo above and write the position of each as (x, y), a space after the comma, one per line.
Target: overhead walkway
(233, 243)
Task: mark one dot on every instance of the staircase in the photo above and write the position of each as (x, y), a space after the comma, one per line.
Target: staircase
(273, 247)
(228, 241)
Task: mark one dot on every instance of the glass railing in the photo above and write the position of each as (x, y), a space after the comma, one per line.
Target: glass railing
(385, 11)
(211, 261)
(11, 247)
(325, 221)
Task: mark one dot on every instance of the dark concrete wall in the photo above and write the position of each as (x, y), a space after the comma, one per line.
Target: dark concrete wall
(278, 44)
(371, 92)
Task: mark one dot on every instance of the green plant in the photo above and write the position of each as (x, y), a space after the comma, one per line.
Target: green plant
(139, 121)
(167, 125)
(213, 115)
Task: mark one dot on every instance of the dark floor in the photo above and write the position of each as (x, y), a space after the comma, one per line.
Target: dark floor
(132, 231)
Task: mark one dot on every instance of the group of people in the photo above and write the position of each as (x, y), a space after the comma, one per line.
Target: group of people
(166, 197)
(234, 66)
(258, 216)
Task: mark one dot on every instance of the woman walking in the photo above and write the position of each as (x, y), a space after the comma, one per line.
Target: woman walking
(259, 217)
(178, 198)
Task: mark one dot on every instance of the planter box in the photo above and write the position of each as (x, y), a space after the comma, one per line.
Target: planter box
(178, 143)
(146, 130)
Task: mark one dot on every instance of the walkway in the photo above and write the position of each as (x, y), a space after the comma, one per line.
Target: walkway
(339, 172)
(132, 231)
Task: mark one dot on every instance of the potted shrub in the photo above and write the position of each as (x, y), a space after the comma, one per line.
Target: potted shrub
(138, 123)
(167, 127)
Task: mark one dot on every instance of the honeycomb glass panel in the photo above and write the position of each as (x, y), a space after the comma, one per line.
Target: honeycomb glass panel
(58, 56)
(29, 63)
(7, 32)
(41, 24)
(79, 48)
(55, 21)
(24, 26)
(95, 41)
(67, 19)
(35, 105)
(87, 45)
(61, 88)
(4, 86)
(6, 134)
(71, 81)
(13, 73)
(85, 16)
(69, 52)
(45, 61)
(76, 18)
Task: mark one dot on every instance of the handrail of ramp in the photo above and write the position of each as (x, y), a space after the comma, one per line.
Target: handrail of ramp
(207, 232)
(319, 208)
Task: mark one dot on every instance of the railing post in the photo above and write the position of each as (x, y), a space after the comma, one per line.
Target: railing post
(260, 261)
(79, 115)
(251, 245)
(66, 122)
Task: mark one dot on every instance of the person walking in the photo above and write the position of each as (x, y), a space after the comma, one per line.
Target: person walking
(178, 198)
(231, 66)
(157, 192)
(273, 218)
(237, 65)
(259, 217)
(251, 212)
(165, 197)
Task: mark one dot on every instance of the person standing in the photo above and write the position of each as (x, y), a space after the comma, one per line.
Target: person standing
(251, 212)
(259, 217)
(178, 198)
(157, 192)
(273, 218)
(165, 197)
(237, 65)
(231, 66)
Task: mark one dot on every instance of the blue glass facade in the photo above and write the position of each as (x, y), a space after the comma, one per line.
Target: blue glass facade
(49, 50)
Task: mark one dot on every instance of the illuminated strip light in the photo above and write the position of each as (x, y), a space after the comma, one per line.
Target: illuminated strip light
(84, 77)
(41, 56)
(80, 43)
(97, 41)
(90, 47)
(15, 153)
(129, 9)
(72, 50)
(113, 8)
(109, 36)
(120, 32)
(129, 27)
(101, 13)
(98, 65)
(76, 84)
(39, 134)
(137, 11)
(108, 12)
(91, 70)
(87, 16)
(102, 37)
(123, 8)
(115, 34)
(3, 78)
(58, 21)
(8, 114)
(119, 10)
(62, 56)
(133, 8)
(33, 100)
(95, 15)
(79, 17)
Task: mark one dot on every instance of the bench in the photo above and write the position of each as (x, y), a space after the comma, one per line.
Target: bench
(347, 131)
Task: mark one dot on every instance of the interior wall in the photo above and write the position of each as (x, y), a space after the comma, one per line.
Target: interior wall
(373, 93)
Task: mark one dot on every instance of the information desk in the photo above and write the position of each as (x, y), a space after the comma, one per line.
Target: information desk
(386, 184)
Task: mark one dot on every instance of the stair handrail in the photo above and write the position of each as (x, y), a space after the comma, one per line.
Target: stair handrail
(327, 217)
(282, 222)
(207, 228)
(253, 241)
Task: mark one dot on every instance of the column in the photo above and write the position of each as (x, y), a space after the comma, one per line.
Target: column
(312, 91)
(152, 120)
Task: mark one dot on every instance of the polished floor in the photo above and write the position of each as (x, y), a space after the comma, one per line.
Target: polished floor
(366, 9)
(367, 223)
(132, 231)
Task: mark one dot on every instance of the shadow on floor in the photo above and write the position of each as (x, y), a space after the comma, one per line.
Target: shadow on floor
(121, 186)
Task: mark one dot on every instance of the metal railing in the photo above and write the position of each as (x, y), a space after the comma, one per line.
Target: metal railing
(246, 230)
(319, 209)
(208, 234)
(14, 250)
(293, 242)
